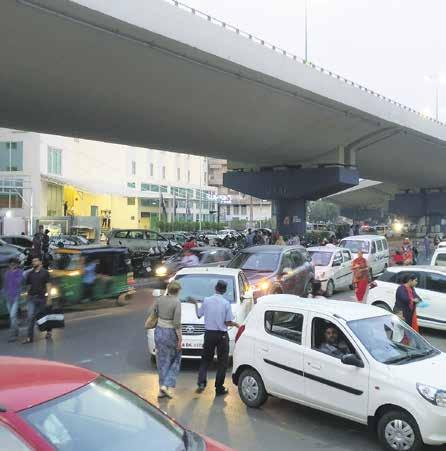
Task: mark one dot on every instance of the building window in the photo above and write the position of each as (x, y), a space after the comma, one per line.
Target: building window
(131, 201)
(228, 209)
(11, 156)
(150, 202)
(188, 176)
(151, 170)
(133, 167)
(54, 196)
(178, 173)
(54, 161)
(243, 210)
(205, 178)
(236, 209)
(131, 185)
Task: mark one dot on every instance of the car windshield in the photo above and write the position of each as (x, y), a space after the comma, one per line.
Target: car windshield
(440, 260)
(103, 416)
(66, 261)
(356, 245)
(262, 262)
(320, 258)
(389, 340)
(199, 286)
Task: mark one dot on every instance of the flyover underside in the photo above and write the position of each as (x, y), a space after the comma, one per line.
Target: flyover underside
(290, 188)
(149, 75)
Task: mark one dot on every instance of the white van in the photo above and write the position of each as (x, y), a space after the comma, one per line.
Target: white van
(374, 247)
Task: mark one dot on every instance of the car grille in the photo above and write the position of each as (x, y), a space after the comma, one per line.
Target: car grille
(192, 329)
(192, 352)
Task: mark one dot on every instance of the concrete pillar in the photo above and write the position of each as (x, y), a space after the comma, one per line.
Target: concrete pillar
(290, 216)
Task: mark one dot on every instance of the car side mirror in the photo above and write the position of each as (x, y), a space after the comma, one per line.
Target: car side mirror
(352, 360)
(336, 263)
(248, 295)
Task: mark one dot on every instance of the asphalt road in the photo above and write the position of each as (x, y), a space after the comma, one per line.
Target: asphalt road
(112, 340)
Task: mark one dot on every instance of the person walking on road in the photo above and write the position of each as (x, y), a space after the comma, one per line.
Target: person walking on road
(427, 247)
(360, 270)
(12, 289)
(218, 316)
(38, 280)
(38, 243)
(406, 301)
(168, 340)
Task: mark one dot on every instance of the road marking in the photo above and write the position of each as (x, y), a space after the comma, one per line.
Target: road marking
(84, 361)
(108, 355)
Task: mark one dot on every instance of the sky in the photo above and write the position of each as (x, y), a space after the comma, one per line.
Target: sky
(390, 46)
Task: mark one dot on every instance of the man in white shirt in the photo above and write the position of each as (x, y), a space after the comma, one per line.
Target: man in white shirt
(189, 259)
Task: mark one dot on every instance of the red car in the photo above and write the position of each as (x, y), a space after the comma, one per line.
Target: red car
(49, 406)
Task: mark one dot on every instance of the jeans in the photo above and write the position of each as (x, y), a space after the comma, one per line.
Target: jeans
(220, 340)
(34, 306)
(13, 310)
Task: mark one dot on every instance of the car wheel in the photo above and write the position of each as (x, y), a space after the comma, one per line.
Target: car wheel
(251, 389)
(382, 305)
(330, 289)
(397, 430)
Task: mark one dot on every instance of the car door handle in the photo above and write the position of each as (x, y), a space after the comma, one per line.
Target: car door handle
(315, 366)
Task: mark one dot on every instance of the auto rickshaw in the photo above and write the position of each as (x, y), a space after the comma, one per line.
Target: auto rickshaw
(113, 273)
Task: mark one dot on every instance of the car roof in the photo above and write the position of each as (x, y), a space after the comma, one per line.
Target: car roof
(441, 249)
(26, 382)
(209, 248)
(217, 270)
(324, 249)
(87, 248)
(365, 237)
(349, 311)
(441, 269)
(270, 249)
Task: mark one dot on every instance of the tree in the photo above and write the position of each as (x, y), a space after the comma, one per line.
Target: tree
(322, 211)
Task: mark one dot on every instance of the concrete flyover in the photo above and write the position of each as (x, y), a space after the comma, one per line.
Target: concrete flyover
(152, 73)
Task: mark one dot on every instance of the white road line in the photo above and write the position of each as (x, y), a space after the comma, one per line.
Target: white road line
(81, 362)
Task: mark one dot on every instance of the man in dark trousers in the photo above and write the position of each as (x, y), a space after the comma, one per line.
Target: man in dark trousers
(37, 243)
(38, 280)
(218, 316)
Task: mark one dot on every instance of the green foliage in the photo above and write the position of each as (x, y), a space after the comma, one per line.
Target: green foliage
(322, 211)
(187, 226)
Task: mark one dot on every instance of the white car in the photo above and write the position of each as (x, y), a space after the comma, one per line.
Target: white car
(199, 283)
(380, 373)
(332, 267)
(374, 247)
(439, 257)
(431, 289)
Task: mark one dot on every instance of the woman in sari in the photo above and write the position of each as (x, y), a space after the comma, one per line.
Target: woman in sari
(360, 270)
(406, 301)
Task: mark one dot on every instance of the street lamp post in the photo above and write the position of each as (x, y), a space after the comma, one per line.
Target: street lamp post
(436, 79)
(306, 30)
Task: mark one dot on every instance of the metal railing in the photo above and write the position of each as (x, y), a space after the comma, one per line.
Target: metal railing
(298, 59)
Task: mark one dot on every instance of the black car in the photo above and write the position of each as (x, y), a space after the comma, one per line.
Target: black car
(274, 269)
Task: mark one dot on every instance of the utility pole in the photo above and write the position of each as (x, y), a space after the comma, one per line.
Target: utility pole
(306, 30)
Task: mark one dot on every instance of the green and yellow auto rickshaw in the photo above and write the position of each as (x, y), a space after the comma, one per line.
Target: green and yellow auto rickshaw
(113, 273)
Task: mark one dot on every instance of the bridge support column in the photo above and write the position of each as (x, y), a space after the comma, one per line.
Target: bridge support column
(290, 187)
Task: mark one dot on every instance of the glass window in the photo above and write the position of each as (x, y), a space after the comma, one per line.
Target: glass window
(131, 201)
(320, 258)
(436, 282)
(287, 325)
(374, 247)
(104, 416)
(399, 277)
(379, 245)
(389, 340)
(54, 161)
(121, 234)
(131, 185)
(387, 276)
(356, 245)
(347, 256)
(136, 234)
(297, 258)
(329, 339)
(337, 258)
(385, 245)
(440, 260)
(200, 286)
(267, 262)
(236, 209)
(154, 236)
(4, 156)
(10, 441)
(11, 156)
(150, 202)
(243, 210)
(145, 187)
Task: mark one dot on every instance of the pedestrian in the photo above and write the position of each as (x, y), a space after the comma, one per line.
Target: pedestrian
(398, 258)
(356, 229)
(12, 290)
(189, 259)
(280, 241)
(427, 246)
(190, 243)
(407, 252)
(65, 208)
(108, 219)
(218, 316)
(436, 240)
(45, 248)
(351, 231)
(38, 280)
(406, 301)
(36, 250)
(168, 340)
(360, 270)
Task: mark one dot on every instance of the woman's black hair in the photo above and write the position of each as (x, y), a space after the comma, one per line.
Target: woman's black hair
(409, 277)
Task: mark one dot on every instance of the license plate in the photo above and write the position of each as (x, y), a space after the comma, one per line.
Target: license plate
(192, 346)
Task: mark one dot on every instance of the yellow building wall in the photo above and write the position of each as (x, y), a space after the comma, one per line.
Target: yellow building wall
(122, 214)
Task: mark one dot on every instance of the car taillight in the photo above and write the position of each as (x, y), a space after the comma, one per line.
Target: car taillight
(241, 329)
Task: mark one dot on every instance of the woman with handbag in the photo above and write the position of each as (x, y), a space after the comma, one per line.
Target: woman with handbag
(407, 300)
(165, 318)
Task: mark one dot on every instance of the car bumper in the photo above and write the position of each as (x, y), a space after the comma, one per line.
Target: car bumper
(432, 424)
(192, 344)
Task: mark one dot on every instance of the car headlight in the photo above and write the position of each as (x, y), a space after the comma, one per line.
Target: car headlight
(263, 285)
(161, 271)
(54, 291)
(434, 395)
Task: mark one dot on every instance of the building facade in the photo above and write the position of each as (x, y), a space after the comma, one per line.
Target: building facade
(45, 176)
(235, 205)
